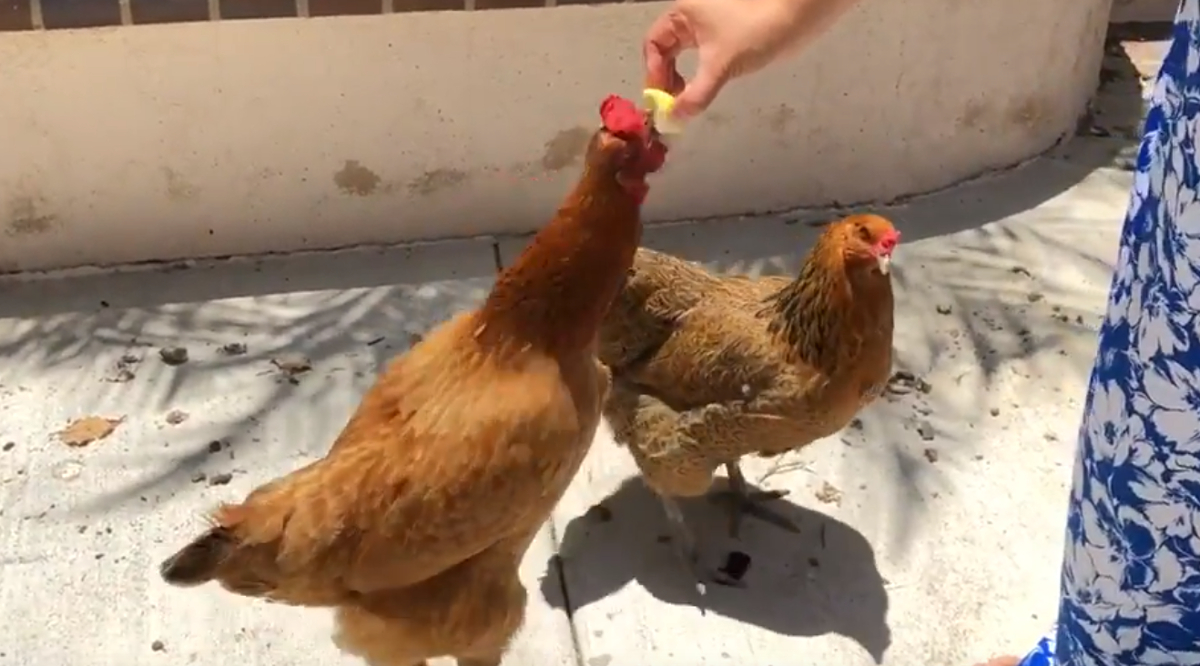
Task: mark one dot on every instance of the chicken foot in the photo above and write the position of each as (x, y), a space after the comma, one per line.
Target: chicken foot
(743, 501)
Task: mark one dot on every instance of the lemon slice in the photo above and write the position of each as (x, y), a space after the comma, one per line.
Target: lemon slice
(661, 104)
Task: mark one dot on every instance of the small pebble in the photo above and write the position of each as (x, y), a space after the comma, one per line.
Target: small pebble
(158, 646)
(215, 446)
(199, 477)
(1035, 296)
(9, 446)
(233, 348)
(599, 513)
(220, 479)
(736, 565)
(176, 416)
(931, 455)
(995, 411)
(67, 470)
(944, 309)
(903, 382)
(926, 431)
(173, 355)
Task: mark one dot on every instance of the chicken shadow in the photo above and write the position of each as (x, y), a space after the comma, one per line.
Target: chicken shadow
(823, 580)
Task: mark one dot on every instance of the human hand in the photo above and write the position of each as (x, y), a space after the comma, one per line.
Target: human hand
(732, 38)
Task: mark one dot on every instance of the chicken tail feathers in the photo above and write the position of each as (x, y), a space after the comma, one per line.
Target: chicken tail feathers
(199, 562)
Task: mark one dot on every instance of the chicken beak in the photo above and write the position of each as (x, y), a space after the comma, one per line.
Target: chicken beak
(885, 263)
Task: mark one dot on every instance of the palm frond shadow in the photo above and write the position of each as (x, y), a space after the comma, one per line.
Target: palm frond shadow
(345, 313)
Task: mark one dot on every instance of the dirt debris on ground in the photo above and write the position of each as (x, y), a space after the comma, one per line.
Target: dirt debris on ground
(88, 429)
(234, 348)
(176, 416)
(291, 366)
(903, 382)
(173, 355)
(125, 370)
(829, 494)
(599, 513)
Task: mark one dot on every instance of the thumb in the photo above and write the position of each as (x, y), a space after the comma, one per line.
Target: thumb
(700, 92)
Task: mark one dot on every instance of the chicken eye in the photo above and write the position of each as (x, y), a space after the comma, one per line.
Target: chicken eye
(864, 233)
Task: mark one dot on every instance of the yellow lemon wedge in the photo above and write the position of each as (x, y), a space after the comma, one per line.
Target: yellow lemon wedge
(661, 103)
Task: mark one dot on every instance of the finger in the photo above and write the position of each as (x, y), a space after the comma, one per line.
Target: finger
(700, 92)
(666, 38)
(676, 84)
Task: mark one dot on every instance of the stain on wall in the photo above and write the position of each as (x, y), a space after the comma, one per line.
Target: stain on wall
(715, 119)
(355, 179)
(972, 116)
(780, 119)
(436, 180)
(178, 189)
(26, 217)
(566, 147)
(1028, 113)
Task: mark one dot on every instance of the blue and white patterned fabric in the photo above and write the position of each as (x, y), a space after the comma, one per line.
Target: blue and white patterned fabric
(1131, 571)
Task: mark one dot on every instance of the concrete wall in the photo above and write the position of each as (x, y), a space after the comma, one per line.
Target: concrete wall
(135, 143)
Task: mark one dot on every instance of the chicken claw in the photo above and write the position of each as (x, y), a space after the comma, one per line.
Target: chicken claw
(685, 544)
(744, 501)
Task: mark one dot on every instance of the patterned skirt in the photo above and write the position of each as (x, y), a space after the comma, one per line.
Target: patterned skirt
(1130, 592)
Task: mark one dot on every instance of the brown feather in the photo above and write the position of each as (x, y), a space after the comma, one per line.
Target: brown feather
(711, 368)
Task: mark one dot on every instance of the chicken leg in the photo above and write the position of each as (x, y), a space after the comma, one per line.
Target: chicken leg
(685, 544)
(743, 501)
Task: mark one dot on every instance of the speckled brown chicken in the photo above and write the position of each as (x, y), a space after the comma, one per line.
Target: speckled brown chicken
(710, 368)
(414, 524)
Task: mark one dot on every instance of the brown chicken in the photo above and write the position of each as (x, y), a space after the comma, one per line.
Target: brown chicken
(707, 369)
(414, 523)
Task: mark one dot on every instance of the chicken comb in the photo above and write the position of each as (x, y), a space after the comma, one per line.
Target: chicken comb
(621, 116)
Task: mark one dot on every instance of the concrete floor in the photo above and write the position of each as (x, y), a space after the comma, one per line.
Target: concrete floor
(931, 534)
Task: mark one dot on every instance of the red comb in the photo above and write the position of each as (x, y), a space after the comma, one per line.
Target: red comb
(621, 116)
